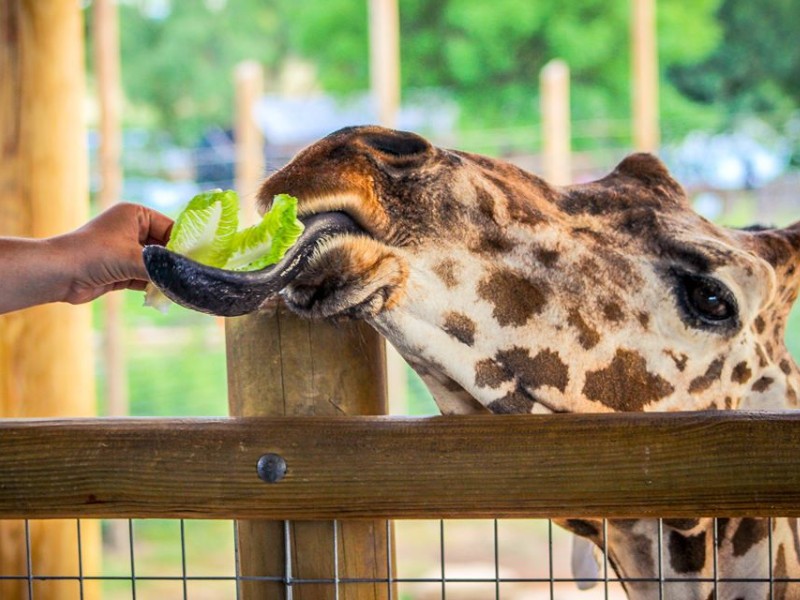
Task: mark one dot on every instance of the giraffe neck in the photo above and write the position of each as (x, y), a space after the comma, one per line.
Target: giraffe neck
(704, 559)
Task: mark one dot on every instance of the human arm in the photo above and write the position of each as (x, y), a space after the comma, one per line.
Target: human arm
(103, 255)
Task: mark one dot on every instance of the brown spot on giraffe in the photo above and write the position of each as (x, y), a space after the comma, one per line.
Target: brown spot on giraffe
(493, 241)
(514, 403)
(741, 373)
(626, 384)
(546, 368)
(583, 527)
(644, 319)
(547, 258)
(485, 203)
(587, 337)
(446, 271)
(705, 381)
(780, 574)
(680, 360)
(760, 325)
(612, 312)
(682, 524)
(461, 327)
(515, 298)
(490, 373)
(785, 366)
(749, 533)
(687, 553)
(762, 384)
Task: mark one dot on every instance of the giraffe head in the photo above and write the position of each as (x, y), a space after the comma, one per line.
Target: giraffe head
(510, 295)
(501, 289)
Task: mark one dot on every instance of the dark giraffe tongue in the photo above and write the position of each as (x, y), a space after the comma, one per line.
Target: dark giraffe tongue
(233, 293)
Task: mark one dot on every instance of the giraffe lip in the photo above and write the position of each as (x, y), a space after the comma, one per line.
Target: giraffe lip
(233, 293)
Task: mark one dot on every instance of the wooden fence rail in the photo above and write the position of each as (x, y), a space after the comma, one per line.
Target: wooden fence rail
(620, 465)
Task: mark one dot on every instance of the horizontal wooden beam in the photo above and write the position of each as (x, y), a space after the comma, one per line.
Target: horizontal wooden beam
(621, 465)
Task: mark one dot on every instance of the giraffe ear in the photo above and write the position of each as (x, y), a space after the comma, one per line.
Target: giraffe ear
(650, 171)
(779, 247)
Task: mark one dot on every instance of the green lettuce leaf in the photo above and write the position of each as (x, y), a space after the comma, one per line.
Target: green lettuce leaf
(265, 244)
(206, 231)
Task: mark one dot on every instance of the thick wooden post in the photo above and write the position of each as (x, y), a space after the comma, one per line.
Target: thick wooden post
(249, 82)
(644, 56)
(46, 363)
(282, 365)
(554, 86)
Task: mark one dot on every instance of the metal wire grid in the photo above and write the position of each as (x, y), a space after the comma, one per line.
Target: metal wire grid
(441, 585)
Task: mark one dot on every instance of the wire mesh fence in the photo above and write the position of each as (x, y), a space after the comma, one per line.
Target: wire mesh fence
(512, 559)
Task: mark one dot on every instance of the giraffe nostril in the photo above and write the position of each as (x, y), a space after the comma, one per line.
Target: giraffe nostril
(399, 144)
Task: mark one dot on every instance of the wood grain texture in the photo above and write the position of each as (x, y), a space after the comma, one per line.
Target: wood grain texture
(281, 365)
(46, 362)
(620, 465)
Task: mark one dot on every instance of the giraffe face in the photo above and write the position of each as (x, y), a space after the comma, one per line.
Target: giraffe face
(499, 288)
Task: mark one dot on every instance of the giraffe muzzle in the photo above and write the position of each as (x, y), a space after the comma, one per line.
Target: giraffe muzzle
(233, 293)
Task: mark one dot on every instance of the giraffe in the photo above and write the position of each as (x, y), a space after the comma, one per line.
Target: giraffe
(509, 295)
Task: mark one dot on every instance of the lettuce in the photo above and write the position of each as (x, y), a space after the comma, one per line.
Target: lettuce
(265, 243)
(206, 231)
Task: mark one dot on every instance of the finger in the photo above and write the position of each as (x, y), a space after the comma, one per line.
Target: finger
(135, 284)
(157, 227)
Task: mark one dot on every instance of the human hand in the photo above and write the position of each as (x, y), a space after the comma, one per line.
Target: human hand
(106, 253)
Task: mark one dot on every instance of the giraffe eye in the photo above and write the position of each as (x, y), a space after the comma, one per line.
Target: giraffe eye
(706, 301)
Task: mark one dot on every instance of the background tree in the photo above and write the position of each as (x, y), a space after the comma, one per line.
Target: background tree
(178, 59)
(179, 55)
(756, 67)
(488, 54)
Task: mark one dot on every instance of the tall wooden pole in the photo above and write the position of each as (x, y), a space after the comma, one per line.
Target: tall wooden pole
(554, 87)
(282, 365)
(384, 36)
(249, 83)
(109, 92)
(644, 56)
(105, 33)
(46, 362)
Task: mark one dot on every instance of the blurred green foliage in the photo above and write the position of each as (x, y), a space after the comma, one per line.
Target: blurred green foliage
(729, 54)
(753, 68)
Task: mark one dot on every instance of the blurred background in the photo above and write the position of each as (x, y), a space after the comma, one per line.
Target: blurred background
(728, 115)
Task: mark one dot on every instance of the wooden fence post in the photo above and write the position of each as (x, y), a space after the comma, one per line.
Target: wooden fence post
(384, 35)
(249, 83)
(46, 362)
(554, 101)
(282, 365)
(644, 56)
